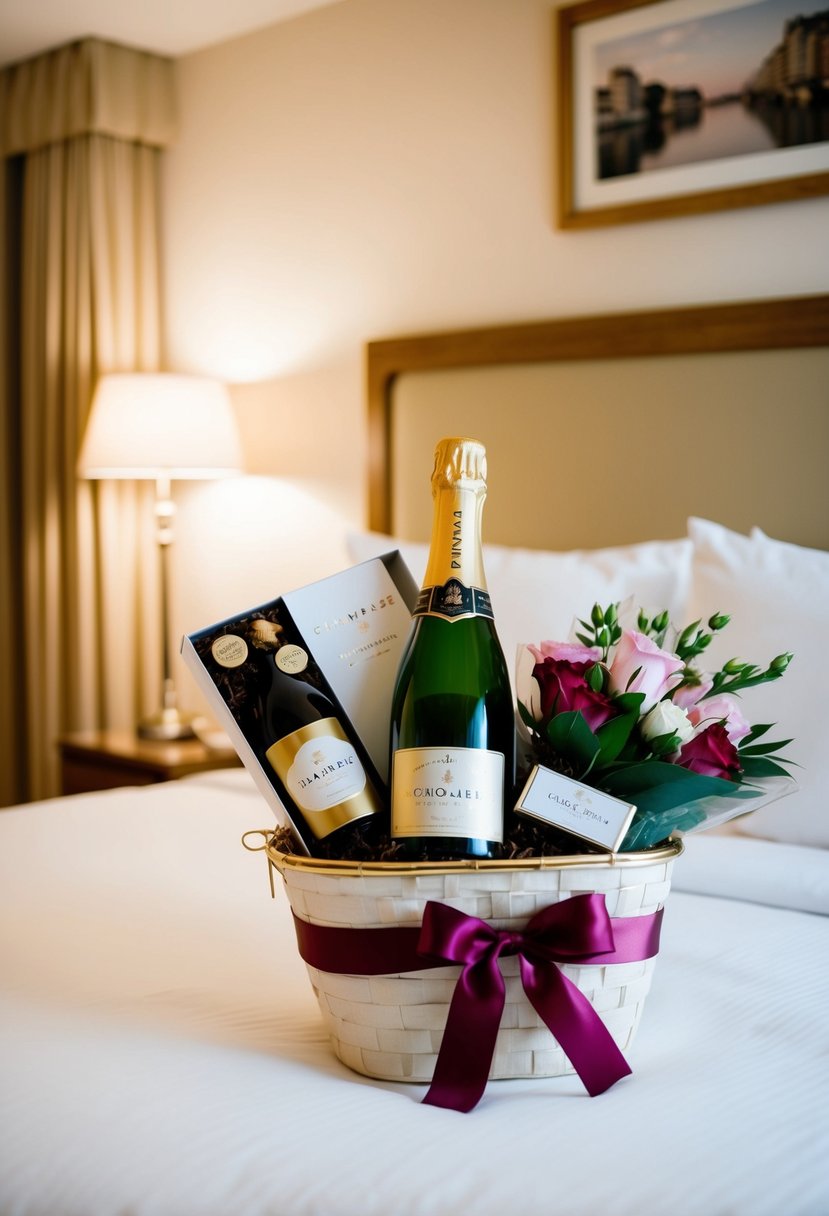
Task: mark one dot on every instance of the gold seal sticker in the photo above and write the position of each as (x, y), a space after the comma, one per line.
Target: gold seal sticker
(229, 650)
(291, 659)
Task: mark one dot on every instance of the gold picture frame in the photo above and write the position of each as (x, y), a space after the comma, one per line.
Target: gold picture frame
(608, 171)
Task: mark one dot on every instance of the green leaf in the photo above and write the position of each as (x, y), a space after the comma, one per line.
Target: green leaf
(762, 749)
(614, 735)
(526, 716)
(629, 702)
(656, 785)
(633, 676)
(760, 766)
(663, 745)
(757, 731)
(687, 633)
(573, 739)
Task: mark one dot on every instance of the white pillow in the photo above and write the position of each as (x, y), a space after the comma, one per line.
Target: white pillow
(777, 595)
(536, 595)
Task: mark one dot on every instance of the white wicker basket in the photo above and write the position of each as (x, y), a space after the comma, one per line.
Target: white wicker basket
(390, 1026)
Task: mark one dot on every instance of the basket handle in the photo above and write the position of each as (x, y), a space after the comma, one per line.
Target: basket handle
(266, 835)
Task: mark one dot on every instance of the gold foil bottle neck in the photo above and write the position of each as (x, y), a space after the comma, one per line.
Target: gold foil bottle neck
(459, 460)
(459, 492)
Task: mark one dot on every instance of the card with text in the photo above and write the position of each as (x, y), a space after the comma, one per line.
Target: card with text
(575, 808)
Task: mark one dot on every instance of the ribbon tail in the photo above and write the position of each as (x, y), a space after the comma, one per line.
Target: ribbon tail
(573, 1021)
(468, 1042)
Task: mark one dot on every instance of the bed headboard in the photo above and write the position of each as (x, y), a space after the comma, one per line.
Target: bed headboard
(614, 429)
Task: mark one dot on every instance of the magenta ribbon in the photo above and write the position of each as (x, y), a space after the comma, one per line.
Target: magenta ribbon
(578, 931)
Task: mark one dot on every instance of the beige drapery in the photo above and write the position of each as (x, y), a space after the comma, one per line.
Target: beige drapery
(81, 134)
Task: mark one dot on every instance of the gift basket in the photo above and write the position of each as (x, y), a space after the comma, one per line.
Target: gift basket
(489, 905)
(402, 955)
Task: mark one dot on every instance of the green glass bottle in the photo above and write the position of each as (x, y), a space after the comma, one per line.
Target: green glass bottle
(453, 725)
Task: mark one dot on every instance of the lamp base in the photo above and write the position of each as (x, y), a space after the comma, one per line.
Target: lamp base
(167, 725)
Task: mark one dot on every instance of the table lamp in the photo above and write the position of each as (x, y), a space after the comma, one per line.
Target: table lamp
(161, 426)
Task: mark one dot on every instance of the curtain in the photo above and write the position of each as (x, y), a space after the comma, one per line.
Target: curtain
(12, 698)
(82, 136)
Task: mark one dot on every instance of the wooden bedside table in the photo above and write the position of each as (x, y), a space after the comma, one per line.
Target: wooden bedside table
(104, 759)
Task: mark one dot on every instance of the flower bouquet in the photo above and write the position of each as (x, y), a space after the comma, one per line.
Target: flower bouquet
(631, 712)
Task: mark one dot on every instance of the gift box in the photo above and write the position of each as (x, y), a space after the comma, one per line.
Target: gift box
(350, 629)
(458, 972)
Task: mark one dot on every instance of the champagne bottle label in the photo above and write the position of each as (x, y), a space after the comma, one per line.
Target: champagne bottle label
(448, 791)
(323, 774)
(453, 601)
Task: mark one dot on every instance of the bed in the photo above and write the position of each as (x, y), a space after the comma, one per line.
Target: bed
(162, 1051)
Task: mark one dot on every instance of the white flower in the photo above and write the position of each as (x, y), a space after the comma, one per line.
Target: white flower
(666, 719)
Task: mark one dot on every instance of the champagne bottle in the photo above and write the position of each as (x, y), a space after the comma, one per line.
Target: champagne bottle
(452, 730)
(304, 743)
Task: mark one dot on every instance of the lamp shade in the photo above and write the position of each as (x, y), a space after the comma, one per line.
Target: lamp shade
(151, 424)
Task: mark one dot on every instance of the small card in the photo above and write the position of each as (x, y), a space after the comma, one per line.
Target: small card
(575, 808)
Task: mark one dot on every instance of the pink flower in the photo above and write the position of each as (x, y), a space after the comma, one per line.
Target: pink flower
(712, 754)
(640, 666)
(573, 652)
(563, 689)
(725, 709)
(687, 697)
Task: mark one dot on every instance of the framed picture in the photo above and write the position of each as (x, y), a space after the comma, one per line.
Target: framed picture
(676, 107)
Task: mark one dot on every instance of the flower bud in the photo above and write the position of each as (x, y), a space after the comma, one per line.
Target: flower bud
(718, 621)
(642, 623)
(597, 616)
(687, 634)
(734, 666)
(661, 622)
(780, 664)
(595, 677)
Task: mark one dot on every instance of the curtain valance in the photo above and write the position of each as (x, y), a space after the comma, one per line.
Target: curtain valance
(87, 87)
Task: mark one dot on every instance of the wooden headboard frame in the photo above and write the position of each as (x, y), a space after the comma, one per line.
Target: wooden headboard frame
(776, 324)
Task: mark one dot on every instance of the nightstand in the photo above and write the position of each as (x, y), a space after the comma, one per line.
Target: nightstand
(104, 759)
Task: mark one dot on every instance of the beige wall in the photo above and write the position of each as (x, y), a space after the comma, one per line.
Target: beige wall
(372, 168)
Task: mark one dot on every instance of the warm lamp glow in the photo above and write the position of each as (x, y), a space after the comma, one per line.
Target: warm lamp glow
(151, 425)
(164, 427)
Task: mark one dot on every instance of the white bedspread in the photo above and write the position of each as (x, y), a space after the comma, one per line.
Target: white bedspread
(162, 1053)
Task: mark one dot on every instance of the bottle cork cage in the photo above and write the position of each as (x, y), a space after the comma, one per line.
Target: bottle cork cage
(390, 1026)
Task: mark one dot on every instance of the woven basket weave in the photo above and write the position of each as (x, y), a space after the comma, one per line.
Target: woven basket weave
(390, 1026)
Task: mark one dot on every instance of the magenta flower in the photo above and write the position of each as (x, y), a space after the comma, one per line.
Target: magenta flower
(712, 754)
(563, 688)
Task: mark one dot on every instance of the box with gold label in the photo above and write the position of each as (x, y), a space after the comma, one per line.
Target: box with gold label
(302, 685)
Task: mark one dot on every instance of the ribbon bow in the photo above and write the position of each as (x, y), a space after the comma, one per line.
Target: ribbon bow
(574, 930)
